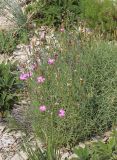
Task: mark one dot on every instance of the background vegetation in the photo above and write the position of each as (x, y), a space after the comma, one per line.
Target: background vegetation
(100, 15)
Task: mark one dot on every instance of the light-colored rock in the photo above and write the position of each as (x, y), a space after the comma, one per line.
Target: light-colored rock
(18, 134)
(23, 155)
(65, 155)
(17, 157)
(73, 156)
(2, 128)
(82, 145)
(1, 157)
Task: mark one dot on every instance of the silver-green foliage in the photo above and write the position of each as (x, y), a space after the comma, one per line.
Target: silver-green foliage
(12, 10)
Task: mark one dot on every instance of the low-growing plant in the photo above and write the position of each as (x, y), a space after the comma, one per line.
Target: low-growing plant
(54, 11)
(73, 93)
(37, 152)
(99, 150)
(9, 40)
(82, 153)
(8, 87)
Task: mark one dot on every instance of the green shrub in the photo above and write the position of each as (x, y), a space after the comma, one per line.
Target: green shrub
(83, 82)
(9, 40)
(8, 86)
(54, 11)
(99, 150)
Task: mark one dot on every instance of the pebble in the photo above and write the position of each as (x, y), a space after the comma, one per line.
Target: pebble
(2, 128)
(73, 157)
(1, 156)
(23, 155)
(65, 155)
(17, 157)
(82, 145)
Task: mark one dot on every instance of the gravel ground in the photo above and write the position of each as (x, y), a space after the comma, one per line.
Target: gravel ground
(10, 142)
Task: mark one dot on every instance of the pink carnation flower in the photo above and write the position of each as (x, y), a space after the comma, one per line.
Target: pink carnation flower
(40, 79)
(42, 108)
(51, 61)
(61, 113)
(25, 76)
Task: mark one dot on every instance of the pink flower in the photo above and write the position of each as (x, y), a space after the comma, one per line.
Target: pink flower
(40, 79)
(25, 76)
(61, 113)
(51, 61)
(42, 108)
(62, 29)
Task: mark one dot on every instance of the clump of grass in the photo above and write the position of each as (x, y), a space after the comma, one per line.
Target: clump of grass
(9, 40)
(99, 150)
(8, 88)
(73, 94)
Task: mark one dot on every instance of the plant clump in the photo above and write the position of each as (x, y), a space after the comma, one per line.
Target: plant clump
(8, 87)
(75, 93)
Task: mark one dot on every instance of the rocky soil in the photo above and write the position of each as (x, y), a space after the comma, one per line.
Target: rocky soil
(10, 144)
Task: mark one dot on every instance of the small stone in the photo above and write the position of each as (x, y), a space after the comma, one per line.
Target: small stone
(73, 156)
(17, 157)
(24, 102)
(65, 155)
(108, 134)
(2, 128)
(18, 134)
(1, 157)
(82, 145)
(105, 139)
(23, 155)
(94, 139)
